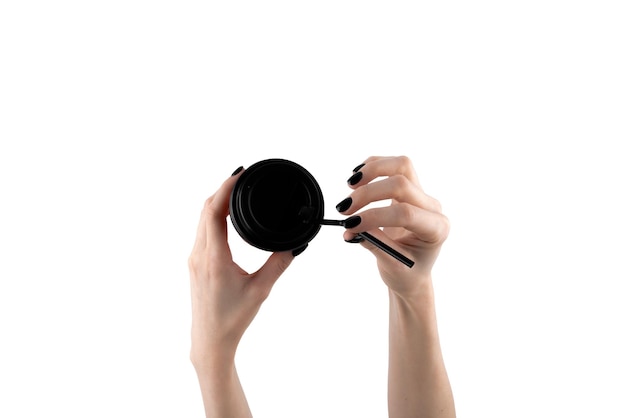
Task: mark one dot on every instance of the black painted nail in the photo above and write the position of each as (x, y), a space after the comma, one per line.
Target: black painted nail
(356, 240)
(344, 204)
(356, 177)
(358, 167)
(299, 250)
(352, 221)
(237, 171)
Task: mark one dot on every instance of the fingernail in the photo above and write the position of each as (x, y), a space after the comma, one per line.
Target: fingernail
(237, 171)
(352, 221)
(299, 250)
(356, 177)
(356, 240)
(358, 167)
(344, 204)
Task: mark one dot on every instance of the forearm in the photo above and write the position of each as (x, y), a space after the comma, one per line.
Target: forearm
(222, 393)
(418, 382)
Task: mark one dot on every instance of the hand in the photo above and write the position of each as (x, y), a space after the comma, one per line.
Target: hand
(413, 223)
(225, 298)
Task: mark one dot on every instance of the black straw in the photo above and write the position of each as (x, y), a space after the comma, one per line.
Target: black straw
(395, 254)
(378, 243)
(332, 222)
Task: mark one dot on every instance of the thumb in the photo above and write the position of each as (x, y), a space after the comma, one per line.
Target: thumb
(274, 267)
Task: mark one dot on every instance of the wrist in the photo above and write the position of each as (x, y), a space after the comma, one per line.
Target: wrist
(418, 296)
(413, 321)
(414, 309)
(211, 357)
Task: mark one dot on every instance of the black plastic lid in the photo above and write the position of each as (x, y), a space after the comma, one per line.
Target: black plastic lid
(276, 205)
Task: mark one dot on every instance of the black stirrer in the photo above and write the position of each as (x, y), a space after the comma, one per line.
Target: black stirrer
(375, 241)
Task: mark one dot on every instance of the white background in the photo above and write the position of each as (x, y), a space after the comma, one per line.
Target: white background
(118, 118)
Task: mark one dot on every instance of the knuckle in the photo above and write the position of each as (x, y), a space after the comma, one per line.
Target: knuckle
(282, 265)
(406, 212)
(444, 228)
(404, 162)
(208, 205)
(263, 293)
(193, 263)
(436, 204)
(259, 292)
(201, 264)
(401, 185)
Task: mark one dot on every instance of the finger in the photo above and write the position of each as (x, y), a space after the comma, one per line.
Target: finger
(429, 227)
(396, 187)
(216, 210)
(200, 243)
(263, 279)
(375, 167)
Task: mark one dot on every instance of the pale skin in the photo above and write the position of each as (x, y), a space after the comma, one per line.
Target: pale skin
(225, 298)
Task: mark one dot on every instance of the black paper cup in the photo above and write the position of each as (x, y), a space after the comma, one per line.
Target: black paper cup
(276, 205)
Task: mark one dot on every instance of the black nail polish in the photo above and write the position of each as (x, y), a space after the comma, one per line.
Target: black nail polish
(299, 250)
(358, 167)
(352, 221)
(344, 205)
(237, 171)
(356, 177)
(356, 240)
